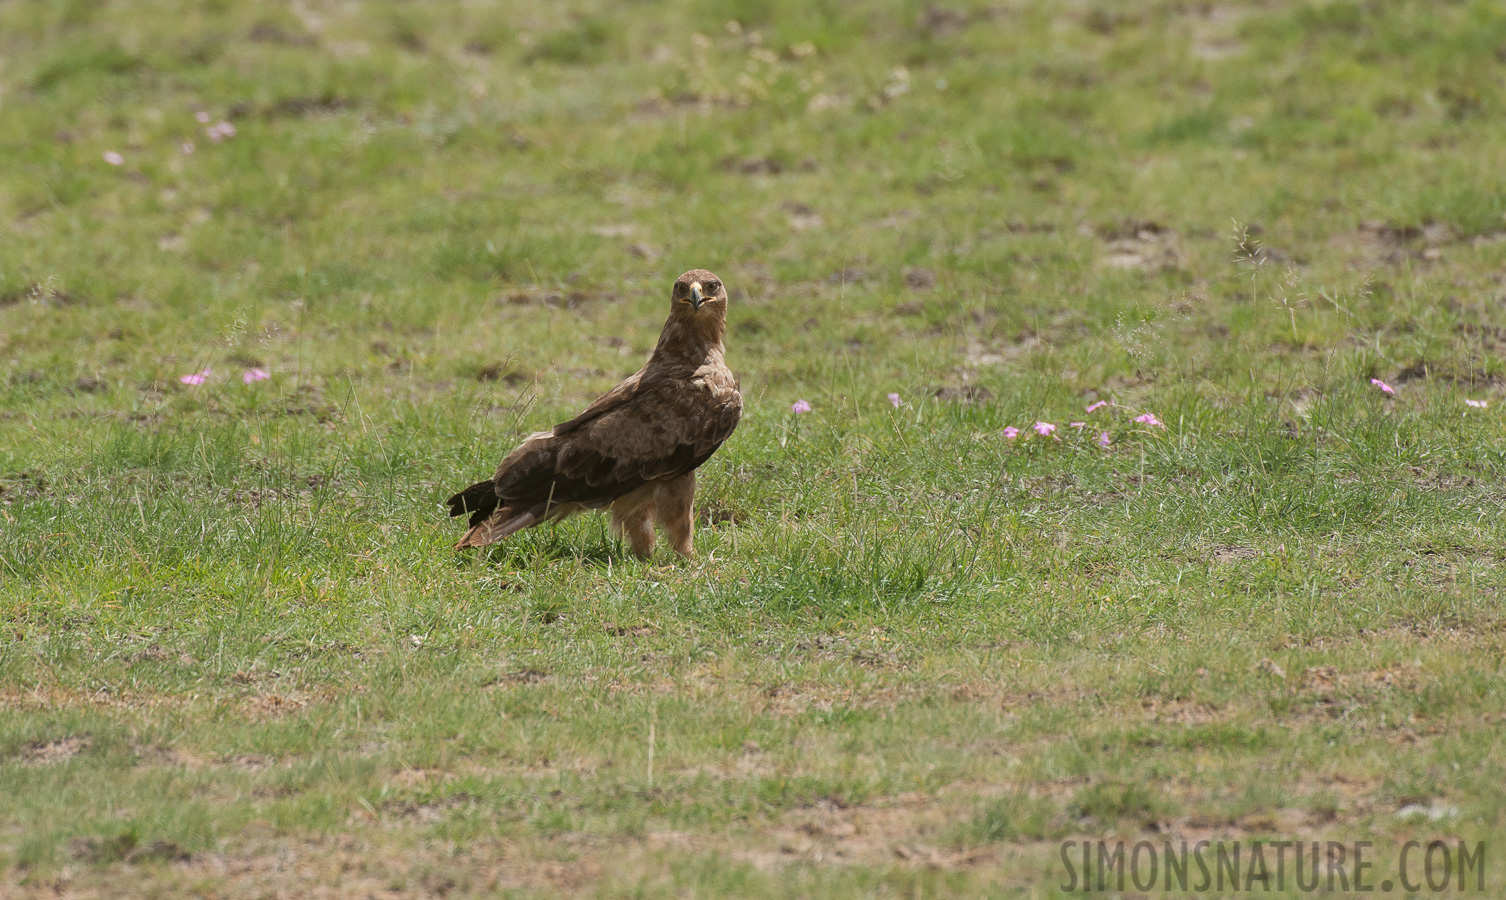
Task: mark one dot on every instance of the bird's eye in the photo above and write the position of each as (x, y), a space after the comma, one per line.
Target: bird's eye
(713, 286)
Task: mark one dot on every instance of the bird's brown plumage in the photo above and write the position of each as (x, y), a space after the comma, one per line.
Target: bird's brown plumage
(635, 449)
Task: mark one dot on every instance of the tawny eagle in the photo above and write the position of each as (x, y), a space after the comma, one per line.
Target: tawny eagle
(635, 449)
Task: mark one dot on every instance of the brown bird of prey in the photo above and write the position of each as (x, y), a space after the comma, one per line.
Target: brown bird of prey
(635, 449)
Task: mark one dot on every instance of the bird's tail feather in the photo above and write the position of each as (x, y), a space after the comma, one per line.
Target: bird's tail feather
(499, 525)
(479, 501)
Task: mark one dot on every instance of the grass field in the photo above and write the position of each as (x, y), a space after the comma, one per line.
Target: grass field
(238, 657)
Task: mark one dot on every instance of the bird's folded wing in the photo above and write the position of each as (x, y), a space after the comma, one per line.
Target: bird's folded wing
(660, 430)
(667, 429)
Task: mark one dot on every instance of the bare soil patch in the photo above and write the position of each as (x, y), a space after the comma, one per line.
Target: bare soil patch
(46, 753)
(1391, 243)
(1140, 246)
(338, 868)
(906, 830)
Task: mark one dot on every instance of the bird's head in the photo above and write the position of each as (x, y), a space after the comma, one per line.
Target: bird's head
(699, 292)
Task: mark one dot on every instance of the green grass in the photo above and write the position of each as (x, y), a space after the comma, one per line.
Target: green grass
(238, 657)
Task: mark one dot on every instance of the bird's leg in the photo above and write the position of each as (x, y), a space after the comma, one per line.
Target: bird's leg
(633, 519)
(639, 531)
(674, 506)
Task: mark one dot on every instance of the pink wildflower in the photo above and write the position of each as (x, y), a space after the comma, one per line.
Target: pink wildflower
(186, 147)
(1103, 440)
(251, 375)
(1385, 388)
(894, 400)
(113, 158)
(201, 117)
(1044, 429)
(1150, 419)
(800, 406)
(1099, 405)
(1011, 432)
(1477, 404)
(197, 378)
(1077, 424)
(220, 131)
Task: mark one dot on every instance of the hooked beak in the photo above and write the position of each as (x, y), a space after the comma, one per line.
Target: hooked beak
(696, 297)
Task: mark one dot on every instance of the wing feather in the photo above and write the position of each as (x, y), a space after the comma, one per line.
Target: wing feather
(653, 431)
(667, 430)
